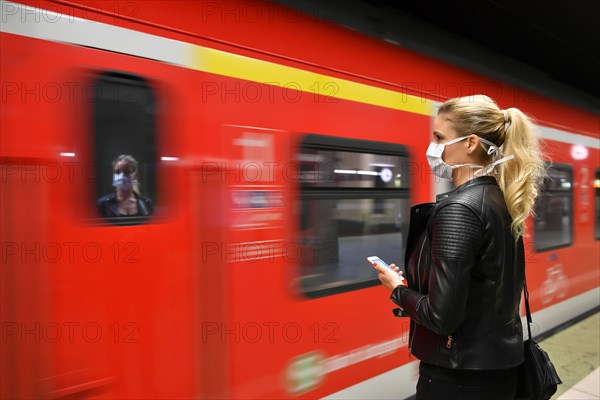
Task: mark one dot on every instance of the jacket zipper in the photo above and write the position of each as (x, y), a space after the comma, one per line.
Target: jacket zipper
(449, 342)
(412, 337)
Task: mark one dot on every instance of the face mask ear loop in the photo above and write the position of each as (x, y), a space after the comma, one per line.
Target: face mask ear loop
(493, 150)
(466, 165)
(458, 139)
(490, 168)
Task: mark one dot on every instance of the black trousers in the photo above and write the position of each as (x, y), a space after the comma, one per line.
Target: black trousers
(438, 383)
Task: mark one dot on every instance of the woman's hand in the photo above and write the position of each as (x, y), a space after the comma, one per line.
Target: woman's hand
(389, 277)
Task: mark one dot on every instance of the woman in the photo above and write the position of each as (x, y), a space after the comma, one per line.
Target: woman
(126, 201)
(465, 258)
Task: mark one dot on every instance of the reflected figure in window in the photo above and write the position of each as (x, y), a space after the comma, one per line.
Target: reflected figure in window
(126, 201)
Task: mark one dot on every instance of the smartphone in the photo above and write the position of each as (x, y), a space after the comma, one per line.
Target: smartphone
(375, 259)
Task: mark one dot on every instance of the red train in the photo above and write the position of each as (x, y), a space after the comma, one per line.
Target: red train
(279, 151)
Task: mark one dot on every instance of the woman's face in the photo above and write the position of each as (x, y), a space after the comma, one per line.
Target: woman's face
(444, 132)
(125, 168)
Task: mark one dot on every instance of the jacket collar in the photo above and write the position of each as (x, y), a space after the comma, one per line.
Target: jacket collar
(112, 204)
(482, 180)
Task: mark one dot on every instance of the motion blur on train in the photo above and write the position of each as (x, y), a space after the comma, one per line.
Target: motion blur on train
(278, 151)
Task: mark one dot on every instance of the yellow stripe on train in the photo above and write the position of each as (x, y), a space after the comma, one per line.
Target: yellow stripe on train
(269, 73)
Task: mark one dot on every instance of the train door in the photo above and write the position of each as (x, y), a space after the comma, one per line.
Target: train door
(147, 297)
(248, 193)
(93, 295)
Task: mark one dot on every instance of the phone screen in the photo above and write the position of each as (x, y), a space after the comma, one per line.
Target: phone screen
(379, 261)
(375, 259)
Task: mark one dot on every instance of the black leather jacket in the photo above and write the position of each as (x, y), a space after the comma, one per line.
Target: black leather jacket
(465, 274)
(108, 208)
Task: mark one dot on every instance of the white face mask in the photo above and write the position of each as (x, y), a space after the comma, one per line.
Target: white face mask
(444, 171)
(122, 181)
(437, 165)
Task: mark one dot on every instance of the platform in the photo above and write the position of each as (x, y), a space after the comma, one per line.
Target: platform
(575, 352)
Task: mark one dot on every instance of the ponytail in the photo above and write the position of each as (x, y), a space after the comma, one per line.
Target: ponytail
(520, 178)
(513, 132)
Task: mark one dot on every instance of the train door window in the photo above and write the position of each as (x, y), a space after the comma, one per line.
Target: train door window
(597, 190)
(355, 201)
(124, 113)
(553, 222)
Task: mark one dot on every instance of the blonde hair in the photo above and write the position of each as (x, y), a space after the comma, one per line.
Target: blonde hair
(519, 178)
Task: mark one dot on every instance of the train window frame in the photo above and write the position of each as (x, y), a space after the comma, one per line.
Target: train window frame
(596, 186)
(318, 192)
(546, 193)
(124, 121)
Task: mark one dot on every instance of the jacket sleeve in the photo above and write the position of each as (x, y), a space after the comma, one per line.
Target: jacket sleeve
(456, 233)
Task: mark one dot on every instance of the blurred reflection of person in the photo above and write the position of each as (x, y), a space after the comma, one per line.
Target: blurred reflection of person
(126, 201)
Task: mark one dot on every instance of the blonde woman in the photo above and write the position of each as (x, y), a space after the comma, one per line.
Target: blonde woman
(465, 257)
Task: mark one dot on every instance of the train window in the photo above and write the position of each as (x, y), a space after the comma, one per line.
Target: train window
(124, 138)
(597, 190)
(553, 222)
(354, 204)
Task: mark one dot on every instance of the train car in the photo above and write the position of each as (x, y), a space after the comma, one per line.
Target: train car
(278, 151)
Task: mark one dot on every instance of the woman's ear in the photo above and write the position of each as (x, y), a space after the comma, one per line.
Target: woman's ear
(472, 143)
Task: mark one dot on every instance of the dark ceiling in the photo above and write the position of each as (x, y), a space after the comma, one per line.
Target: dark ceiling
(560, 38)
